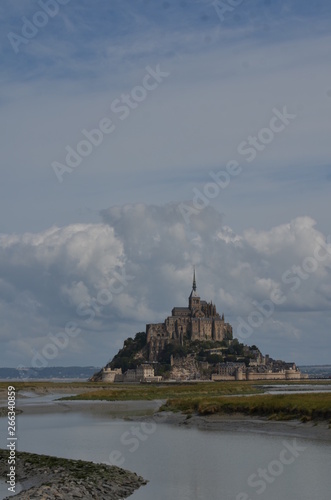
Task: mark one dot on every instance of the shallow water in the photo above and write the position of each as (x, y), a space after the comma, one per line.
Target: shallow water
(184, 463)
(4, 489)
(31, 398)
(296, 389)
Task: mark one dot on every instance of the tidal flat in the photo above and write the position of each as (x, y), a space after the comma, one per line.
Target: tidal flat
(214, 404)
(87, 421)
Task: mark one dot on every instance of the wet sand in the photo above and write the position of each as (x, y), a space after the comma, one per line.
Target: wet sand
(115, 409)
(260, 425)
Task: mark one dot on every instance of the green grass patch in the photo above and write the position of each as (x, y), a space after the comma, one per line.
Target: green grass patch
(279, 407)
(49, 386)
(126, 392)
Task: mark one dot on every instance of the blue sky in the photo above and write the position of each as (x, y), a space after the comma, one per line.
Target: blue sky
(225, 78)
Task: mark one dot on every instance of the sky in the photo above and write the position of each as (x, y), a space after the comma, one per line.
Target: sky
(140, 138)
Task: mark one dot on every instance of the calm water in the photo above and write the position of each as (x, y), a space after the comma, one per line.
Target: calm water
(182, 463)
(4, 489)
(296, 389)
(30, 398)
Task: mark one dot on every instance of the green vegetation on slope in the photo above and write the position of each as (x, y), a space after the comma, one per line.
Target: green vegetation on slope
(134, 352)
(128, 357)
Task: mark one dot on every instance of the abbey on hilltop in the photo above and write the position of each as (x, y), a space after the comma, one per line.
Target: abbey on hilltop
(194, 343)
(198, 321)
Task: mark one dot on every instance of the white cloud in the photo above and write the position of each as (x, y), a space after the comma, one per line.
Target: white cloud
(52, 272)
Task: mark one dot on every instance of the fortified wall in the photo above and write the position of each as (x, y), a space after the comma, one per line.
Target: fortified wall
(246, 374)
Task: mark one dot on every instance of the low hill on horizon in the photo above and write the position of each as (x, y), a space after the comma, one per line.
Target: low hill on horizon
(49, 372)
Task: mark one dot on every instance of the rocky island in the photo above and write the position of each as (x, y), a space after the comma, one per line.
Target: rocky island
(194, 343)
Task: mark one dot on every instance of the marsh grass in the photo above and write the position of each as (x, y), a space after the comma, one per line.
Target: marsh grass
(201, 398)
(127, 392)
(48, 385)
(277, 407)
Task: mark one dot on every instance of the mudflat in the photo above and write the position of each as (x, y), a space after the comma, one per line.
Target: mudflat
(146, 410)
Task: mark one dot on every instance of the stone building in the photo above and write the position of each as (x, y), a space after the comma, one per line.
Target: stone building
(198, 321)
(130, 376)
(143, 373)
(109, 375)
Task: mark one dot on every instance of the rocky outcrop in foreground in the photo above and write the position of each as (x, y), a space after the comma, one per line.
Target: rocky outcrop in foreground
(51, 478)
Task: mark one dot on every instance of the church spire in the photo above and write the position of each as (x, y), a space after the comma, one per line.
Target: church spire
(194, 299)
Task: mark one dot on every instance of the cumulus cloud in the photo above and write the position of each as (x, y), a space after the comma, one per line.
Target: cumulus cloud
(112, 278)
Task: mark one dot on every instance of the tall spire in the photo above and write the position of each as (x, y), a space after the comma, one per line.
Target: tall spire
(194, 299)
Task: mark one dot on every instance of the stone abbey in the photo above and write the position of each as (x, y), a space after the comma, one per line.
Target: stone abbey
(191, 327)
(199, 321)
